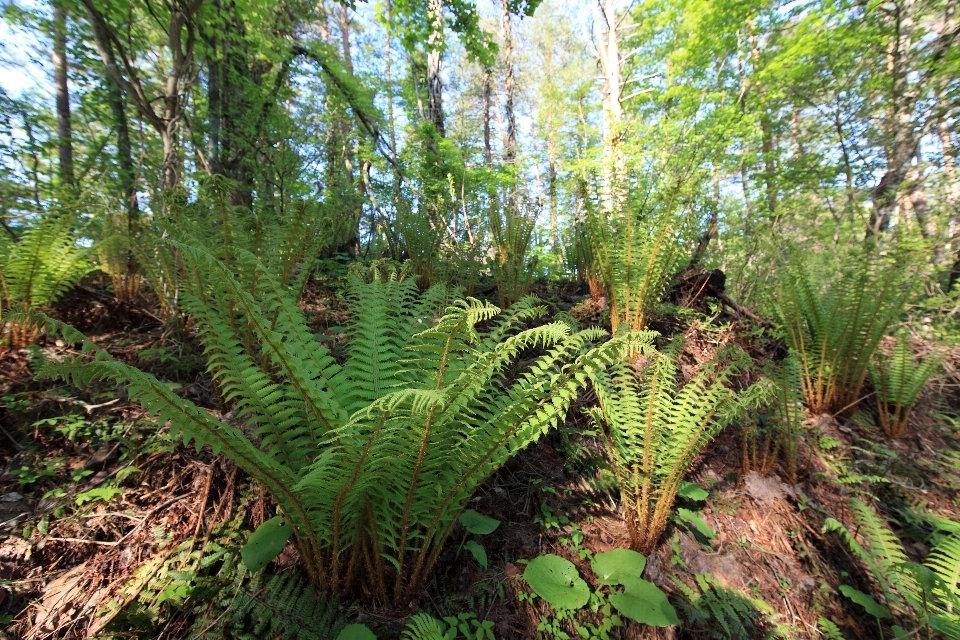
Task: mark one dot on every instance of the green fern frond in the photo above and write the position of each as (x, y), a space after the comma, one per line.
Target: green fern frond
(828, 629)
(834, 333)
(373, 461)
(899, 379)
(423, 626)
(653, 431)
(635, 254)
(944, 559)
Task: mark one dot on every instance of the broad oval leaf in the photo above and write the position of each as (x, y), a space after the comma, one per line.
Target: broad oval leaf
(478, 523)
(266, 543)
(356, 632)
(557, 581)
(477, 551)
(612, 566)
(692, 491)
(866, 601)
(644, 602)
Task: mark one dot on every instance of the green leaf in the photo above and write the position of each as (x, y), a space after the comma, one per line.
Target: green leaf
(557, 581)
(644, 602)
(694, 519)
(692, 491)
(356, 632)
(266, 543)
(477, 551)
(866, 601)
(100, 493)
(478, 523)
(612, 566)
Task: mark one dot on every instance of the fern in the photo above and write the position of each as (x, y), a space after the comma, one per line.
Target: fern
(286, 242)
(653, 430)
(512, 232)
(42, 265)
(834, 333)
(423, 626)
(264, 606)
(898, 380)
(115, 252)
(371, 461)
(635, 255)
(828, 629)
(723, 612)
(927, 594)
(769, 436)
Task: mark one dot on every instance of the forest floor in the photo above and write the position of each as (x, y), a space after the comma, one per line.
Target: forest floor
(111, 528)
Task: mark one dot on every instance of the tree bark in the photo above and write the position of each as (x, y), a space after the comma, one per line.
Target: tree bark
(60, 74)
(608, 54)
(487, 94)
(214, 106)
(510, 152)
(552, 194)
(766, 130)
(434, 64)
(125, 75)
(126, 170)
(908, 81)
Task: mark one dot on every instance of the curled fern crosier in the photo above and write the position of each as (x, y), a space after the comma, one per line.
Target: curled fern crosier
(372, 460)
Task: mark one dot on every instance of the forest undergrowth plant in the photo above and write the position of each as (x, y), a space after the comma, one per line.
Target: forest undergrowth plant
(417, 239)
(39, 267)
(287, 243)
(925, 596)
(653, 428)
(582, 261)
(726, 613)
(834, 329)
(898, 380)
(636, 253)
(558, 582)
(512, 232)
(371, 462)
(116, 256)
(774, 434)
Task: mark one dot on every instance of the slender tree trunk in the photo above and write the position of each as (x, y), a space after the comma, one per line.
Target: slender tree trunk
(434, 62)
(487, 89)
(128, 286)
(908, 81)
(127, 170)
(125, 75)
(552, 194)
(60, 74)
(766, 130)
(953, 190)
(214, 108)
(608, 54)
(510, 152)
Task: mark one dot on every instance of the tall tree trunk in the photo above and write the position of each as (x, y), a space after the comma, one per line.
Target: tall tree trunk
(126, 169)
(487, 89)
(434, 62)
(510, 152)
(908, 81)
(126, 286)
(60, 74)
(125, 75)
(953, 190)
(552, 193)
(766, 129)
(608, 54)
(214, 106)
